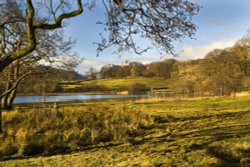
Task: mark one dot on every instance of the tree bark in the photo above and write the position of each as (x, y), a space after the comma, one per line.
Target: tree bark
(1, 124)
(11, 96)
(12, 76)
(7, 100)
(10, 99)
(4, 102)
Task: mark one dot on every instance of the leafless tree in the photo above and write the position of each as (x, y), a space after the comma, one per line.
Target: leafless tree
(25, 39)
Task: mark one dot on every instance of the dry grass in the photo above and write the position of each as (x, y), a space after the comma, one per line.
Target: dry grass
(193, 132)
(44, 131)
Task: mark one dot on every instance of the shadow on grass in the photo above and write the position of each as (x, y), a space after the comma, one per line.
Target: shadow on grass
(86, 148)
(226, 159)
(227, 115)
(222, 153)
(205, 138)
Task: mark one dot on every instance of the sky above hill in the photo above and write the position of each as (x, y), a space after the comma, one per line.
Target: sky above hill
(220, 24)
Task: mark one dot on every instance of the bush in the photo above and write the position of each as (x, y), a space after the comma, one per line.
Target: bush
(8, 149)
(57, 148)
(32, 148)
(245, 162)
(137, 88)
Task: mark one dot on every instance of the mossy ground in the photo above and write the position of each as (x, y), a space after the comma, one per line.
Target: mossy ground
(185, 132)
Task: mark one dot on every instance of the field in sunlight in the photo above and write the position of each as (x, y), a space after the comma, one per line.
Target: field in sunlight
(163, 132)
(117, 83)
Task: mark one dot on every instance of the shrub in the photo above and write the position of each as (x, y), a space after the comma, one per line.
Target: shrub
(32, 148)
(57, 148)
(8, 149)
(245, 162)
(137, 88)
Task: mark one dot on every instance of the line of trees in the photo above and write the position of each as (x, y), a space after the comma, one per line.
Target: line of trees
(161, 69)
(221, 72)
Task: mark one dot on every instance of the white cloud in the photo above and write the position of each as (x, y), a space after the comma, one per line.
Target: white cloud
(197, 52)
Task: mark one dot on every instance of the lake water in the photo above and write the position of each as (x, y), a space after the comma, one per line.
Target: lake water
(71, 97)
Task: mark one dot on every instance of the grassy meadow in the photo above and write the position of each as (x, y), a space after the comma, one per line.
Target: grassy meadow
(145, 132)
(114, 84)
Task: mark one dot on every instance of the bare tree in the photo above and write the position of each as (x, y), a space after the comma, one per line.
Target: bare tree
(91, 73)
(49, 52)
(27, 16)
(23, 31)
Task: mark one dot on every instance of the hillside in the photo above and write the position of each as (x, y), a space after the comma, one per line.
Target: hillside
(115, 84)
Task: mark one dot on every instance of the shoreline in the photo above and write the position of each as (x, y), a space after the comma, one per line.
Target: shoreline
(76, 102)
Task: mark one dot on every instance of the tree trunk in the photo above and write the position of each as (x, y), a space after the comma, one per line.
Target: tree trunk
(9, 83)
(10, 99)
(4, 102)
(1, 126)
(1, 129)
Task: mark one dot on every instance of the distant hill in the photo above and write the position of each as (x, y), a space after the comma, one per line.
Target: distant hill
(68, 75)
(77, 76)
(48, 81)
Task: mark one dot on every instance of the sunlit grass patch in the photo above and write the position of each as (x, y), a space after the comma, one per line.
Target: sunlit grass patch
(114, 84)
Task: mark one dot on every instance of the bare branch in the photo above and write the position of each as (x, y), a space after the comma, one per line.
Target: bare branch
(14, 86)
(162, 22)
(60, 18)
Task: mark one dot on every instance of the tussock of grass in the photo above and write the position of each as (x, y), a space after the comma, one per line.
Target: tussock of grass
(51, 131)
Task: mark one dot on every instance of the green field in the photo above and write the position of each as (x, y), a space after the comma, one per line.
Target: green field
(113, 83)
(148, 132)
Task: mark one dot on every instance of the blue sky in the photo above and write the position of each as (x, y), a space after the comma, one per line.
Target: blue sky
(220, 23)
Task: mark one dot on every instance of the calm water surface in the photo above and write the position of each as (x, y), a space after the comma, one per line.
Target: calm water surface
(71, 97)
